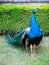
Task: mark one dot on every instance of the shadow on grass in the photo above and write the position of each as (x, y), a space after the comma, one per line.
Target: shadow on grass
(20, 47)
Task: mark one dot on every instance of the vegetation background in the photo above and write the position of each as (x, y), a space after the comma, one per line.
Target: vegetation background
(16, 18)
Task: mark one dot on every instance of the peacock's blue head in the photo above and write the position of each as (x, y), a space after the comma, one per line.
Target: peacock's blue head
(34, 10)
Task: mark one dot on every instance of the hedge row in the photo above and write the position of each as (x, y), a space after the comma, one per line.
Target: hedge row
(16, 18)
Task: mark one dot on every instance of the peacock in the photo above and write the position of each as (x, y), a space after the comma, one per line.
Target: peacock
(30, 36)
(33, 34)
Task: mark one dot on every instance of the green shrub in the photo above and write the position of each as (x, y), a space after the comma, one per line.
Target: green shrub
(16, 18)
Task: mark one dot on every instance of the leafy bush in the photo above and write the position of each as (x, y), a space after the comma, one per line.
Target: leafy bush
(16, 18)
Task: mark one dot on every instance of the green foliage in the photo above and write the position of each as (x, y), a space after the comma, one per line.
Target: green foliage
(16, 18)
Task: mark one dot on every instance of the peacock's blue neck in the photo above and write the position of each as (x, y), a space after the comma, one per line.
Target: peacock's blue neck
(33, 20)
(34, 28)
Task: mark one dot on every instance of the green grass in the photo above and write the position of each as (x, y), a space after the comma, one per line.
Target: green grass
(13, 17)
(17, 55)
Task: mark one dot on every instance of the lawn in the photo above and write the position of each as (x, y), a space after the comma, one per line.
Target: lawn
(17, 55)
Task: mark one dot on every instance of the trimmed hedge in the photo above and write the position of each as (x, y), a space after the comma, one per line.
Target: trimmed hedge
(16, 18)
